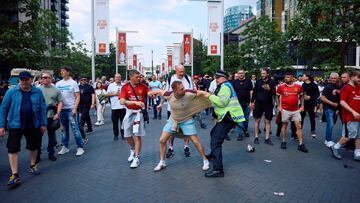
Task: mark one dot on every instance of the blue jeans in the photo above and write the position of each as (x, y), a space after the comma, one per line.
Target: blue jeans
(331, 117)
(65, 121)
(245, 124)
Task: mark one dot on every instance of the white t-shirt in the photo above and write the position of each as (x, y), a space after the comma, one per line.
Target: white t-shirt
(114, 100)
(187, 84)
(212, 86)
(68, 88)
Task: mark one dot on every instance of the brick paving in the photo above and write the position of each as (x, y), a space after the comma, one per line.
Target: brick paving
(103, 173)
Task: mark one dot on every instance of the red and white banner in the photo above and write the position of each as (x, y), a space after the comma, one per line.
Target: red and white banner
(187, 49)
(135, 61)
(101, 19)
(121, 46)
(163, 67)
(215, 27)
(170, 63)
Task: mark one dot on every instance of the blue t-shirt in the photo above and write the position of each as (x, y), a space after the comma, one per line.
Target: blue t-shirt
(155, 85)
(26, 112)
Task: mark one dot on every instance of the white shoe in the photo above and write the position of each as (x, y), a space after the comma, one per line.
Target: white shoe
(63, 150)
(80, 151)
(97, 123)
(206, 165)
(313, 135)
(325, 142)
(101, 123)
(135, 163)
(131, 157)
(161, 165)
(330, 143)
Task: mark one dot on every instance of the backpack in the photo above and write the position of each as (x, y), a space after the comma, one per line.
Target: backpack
(186, 77)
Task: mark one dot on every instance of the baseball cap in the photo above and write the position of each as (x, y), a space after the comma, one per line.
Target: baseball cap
(196, 77)
(24, 75)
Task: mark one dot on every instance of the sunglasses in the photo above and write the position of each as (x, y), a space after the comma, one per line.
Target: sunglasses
(44, 77)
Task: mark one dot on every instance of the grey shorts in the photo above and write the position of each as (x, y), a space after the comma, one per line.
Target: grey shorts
(128, 126)
(351, 130)
(287, 116)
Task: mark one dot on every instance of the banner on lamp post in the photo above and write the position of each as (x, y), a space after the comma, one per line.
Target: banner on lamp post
(101, 16)
(135, 61)
(129, 54)
(170, 63)
(187, 49)
(215, 27)
(121, 46)
(176, 55)
(162, 67)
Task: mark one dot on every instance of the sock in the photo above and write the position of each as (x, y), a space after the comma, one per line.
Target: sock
(337, 146)
(206, 161)
(186, 146)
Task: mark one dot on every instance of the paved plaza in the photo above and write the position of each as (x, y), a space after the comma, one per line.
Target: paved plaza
(103, 174)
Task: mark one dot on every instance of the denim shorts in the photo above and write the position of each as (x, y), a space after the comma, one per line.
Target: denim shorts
(187, 127)
(351, 129)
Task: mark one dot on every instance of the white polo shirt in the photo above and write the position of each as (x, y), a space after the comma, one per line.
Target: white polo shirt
(114, 100)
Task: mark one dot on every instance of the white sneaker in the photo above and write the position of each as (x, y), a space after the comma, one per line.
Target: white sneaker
(131, 157)
(135, 163)
(161, 165)
(325, 142)
(313, 135)
(80, 151)
(97, 123)
(101, 123)
(63, 150)
(206, 165)
(330, 143)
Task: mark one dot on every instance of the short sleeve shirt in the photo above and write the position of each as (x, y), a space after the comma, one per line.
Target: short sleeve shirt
(128, 94)
(52, 97)
(351, 95)
(86, 92)
(290, 96)
(328, 94)
(155, 85)
(68, 88)
(114, 100)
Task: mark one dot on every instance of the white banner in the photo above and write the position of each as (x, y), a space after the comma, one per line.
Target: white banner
(215, 27)
(176, 55)
(101, 19)
(130, 53)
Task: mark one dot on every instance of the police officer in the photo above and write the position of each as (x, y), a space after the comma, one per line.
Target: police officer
(228, 115)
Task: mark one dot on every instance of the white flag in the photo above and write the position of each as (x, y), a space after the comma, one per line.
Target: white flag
(215, 27)
(101, 19)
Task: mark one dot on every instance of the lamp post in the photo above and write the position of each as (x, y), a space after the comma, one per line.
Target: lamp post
(92, 42)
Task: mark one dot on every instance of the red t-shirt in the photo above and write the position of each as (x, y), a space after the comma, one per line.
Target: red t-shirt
(351, 95)
(128, 94)
(289, 96)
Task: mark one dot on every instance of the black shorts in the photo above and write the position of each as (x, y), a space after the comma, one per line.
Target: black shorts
(33, 138)
(260, 109)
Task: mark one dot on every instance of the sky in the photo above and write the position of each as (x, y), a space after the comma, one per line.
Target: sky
(153, 19)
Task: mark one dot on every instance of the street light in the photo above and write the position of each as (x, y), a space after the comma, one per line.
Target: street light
(192, 48)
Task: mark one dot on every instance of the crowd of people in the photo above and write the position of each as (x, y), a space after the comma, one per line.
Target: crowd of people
(31, 110)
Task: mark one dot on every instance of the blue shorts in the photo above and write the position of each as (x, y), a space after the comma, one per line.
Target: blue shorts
(188, 127)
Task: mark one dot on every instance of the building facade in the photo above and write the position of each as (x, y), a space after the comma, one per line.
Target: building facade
(234, 15)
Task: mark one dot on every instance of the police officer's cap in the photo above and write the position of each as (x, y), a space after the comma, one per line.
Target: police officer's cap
(221, 73)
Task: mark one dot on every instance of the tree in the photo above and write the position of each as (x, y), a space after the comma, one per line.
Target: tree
(264, 46)
(324, 30)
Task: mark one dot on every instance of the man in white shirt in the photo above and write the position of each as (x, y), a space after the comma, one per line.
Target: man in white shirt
(118, 111)
(71, 97)
(189, 85)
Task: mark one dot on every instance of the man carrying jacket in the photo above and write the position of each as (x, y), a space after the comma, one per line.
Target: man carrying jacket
(26, 110)
(228, 115)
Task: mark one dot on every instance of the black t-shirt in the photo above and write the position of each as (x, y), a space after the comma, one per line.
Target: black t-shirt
(311, 90)
(26, 112)
(206, 83)
(202, 85)
(260, 95)
(243, 89)
(328, 93)
(85, 95)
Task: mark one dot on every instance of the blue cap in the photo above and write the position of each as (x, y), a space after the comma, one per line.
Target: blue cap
(24, 74)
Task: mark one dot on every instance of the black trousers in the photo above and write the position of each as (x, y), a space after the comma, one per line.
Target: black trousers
(218, 134)
(310, 110)
(116, 115)
(84, 114)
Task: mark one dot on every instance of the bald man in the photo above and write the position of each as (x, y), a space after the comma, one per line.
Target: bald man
(180, 75)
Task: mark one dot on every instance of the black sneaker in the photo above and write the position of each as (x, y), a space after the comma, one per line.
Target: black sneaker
(116, 137)
(256, 140)
(159, 117)
(247, 134)
(88, 131)
(170, 153)
(268, 141)
(52, 157)
(227, 138)
(283, 145)
(303, 148)
(186, 151)
(154, 118)
(209, 157)
(240, 137)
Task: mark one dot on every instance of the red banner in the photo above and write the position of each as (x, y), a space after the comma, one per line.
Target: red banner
(187, 49)
(170, 63)
(163, 67)
(121, 48)
(135, 61)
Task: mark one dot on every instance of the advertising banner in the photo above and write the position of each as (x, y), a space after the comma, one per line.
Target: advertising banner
(215, 27)
(121, 46)
(135, 61)
(170, 63)
(187, 49)
(101, 19)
